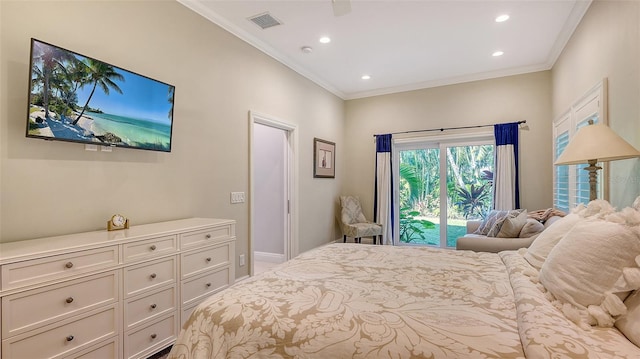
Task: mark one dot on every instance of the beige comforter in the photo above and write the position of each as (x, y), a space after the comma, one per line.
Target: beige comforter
(362, 301)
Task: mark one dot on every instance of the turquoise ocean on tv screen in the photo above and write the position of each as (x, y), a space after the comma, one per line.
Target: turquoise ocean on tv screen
(132, 131)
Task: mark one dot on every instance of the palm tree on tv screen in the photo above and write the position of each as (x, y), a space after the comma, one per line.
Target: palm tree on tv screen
(52, 59)
(103, 75)
(74, 77)
(171, 91)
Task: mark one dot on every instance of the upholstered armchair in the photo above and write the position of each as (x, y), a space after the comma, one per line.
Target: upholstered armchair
(354, 224)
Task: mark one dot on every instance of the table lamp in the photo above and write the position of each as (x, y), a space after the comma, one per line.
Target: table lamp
(593, 144)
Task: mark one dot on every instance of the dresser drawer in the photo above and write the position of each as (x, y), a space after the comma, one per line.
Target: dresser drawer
(108, 350)
(146, 340)
(30, 309)
(150, 248)
(203, 259)
(62, 266)
(196, 289)
(55, 341)
(149, 275)
(205, 237)
(186, 313)
(149, 306)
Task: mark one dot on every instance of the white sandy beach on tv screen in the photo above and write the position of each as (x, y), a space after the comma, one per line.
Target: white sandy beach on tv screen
(85, 127)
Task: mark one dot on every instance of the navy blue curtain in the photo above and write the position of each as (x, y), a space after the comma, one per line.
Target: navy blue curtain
(506, 134)
(383, 192)
(383, 143)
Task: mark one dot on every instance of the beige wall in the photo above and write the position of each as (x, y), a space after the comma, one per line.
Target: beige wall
(51, 188)
(507, 99)
(606, 44)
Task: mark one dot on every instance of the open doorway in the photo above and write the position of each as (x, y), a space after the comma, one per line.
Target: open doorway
(271, 196)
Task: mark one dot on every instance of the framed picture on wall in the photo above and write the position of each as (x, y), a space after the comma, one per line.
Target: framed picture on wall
(324, 159)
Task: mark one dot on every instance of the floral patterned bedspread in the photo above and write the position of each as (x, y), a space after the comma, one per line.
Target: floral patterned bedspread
(547, 333)
(363, 301)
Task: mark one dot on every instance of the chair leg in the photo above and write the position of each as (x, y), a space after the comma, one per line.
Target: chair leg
(344, 238)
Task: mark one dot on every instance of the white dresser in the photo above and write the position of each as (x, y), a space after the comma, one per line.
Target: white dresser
(120, 294)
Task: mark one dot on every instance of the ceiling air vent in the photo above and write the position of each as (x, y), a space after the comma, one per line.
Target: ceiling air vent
(265, 20)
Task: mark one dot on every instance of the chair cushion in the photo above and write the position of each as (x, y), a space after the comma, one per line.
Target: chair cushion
(358, 230)
(351, 210)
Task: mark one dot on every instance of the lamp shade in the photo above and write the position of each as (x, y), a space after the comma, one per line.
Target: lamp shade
(596, 142)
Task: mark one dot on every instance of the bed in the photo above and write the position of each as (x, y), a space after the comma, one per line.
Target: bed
(365, 301)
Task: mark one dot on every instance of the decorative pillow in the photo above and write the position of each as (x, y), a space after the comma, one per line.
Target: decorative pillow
(495, 217)
(628, 323)
(543, 244)
(487, 223)
(500, 220)
(512, 226)
(594, 267)
(531, 228)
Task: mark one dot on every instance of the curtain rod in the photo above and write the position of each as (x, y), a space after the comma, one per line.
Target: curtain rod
(448, 128)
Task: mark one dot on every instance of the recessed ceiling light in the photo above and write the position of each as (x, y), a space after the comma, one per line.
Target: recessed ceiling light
(365, 77)
(325, 39)
(502, 18)
(497, 53)
(306, 49)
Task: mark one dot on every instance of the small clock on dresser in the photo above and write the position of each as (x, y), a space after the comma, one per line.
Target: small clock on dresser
(116, 222)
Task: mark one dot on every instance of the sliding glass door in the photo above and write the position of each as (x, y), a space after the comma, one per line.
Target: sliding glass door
(440, 185)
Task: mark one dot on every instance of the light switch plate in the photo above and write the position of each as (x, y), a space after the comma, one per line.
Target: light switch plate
(237, 197)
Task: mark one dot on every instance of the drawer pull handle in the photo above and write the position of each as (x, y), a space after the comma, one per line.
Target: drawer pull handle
(153, 306)
(153, 247)
(208, 285)
(153, 336)
(69, 300)
(153, 275)
(70, 338)
(208, 236)
(69, 265)
(208, 259)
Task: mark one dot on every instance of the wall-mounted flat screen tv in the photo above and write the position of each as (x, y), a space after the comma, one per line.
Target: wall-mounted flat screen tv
(77, 98)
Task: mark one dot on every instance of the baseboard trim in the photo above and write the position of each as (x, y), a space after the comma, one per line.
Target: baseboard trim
(238, 280)
(268, 257)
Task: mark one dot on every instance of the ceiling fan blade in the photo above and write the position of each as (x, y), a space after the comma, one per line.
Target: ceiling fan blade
(341, 7)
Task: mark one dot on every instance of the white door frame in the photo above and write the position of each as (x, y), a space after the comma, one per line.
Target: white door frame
(291, 244)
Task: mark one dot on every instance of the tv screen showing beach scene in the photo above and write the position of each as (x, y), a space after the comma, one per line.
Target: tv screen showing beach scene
(77, 98)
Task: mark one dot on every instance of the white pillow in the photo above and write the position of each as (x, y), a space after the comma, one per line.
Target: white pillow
(501, 218)
(531, 228)
(512, 226)
(585, 268)
(543, 244)
(629, 324)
